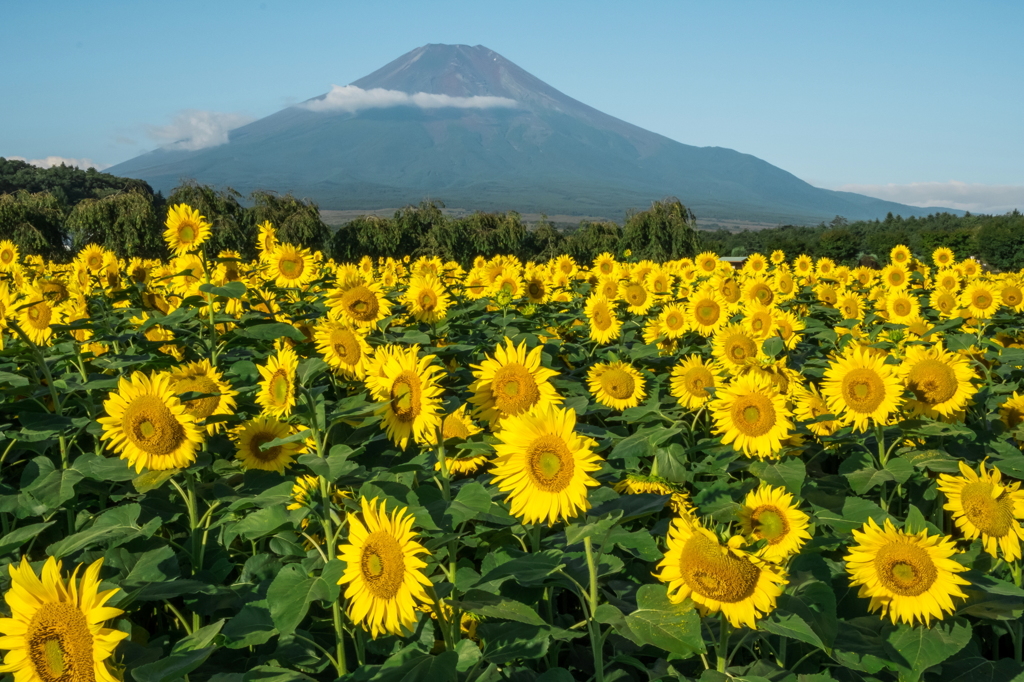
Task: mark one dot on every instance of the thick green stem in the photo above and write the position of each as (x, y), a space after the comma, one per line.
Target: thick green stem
(722, 650)
(596, 641)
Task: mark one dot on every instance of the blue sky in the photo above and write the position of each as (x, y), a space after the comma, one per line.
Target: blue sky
(919, 102)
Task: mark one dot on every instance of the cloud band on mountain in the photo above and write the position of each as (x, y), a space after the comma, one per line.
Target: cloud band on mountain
(352, 98)
(976, 198)
(193, 129)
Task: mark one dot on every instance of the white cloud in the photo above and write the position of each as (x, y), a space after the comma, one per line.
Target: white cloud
(976, 198)
(51, 161)
(353, 98)
(193, 129)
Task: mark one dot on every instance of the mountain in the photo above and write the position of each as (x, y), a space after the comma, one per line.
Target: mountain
(467, 126)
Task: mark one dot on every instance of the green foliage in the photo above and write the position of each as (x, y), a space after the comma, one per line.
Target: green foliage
(35, 223)
(665, 231)
(232, 228)
(296, 221)
(68, 184)
(125, 223)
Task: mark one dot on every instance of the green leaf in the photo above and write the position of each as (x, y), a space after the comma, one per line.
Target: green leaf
(252, 626)
(289, 596)
(12, 380)
(271, 331)
(472, 499)
(152, 480)
(113, 527)
(807, 615)
(672, 627)
(977, 669)
(863, 480)
(187, 655)
(271, 673)
(263, 522)
(923, 647)
(900, 468)
(788, 473)
(229, 290)
(16, 538)
(420, 668)
(773, 346)
(938, 461)
(493, 606)
(854, 514)
(105, 469)
(527, 569)
(507, 642)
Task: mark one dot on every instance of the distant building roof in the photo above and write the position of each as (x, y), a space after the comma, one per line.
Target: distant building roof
(734, 260)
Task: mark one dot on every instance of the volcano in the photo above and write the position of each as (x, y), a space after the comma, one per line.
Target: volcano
(465, 125)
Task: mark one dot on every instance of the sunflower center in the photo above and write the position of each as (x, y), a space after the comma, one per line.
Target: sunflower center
(39, 315)
(151, 426)
(762, 293)
(991, 515)
(698, 380)
(715, 573)
(361, 303)
(550, 463)
(515, 389)
(902, 307)
(932, 381)
(674, 321)
(186, 234)
(382, 565)
(636, 295)
(291, 266)
(618, 383)
(602, 320)
(730, 291)
(905, 568)
(770, 524)
(535, 289)
(753, 414)
(200, 408)
(280, 385)
(60, 645)
(453, 427)
(256, 446)
(345, 345)
(7, 256)
(405, 396)
(739, 348)
(428, 300)
(863, 390)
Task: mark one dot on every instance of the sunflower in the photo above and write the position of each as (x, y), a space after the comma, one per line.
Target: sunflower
(358, 302)
(759, 321)
(901, 306)
(789, 327)
(895, 276)
(859, 387)
(407, 386)
(638, 484)
(383, 571)
(809, 407)
(148, 425)
(769, 514)
(544, 465)
(944, 302)
(727, 288)
(827, 294)
(759, 291)
(37, 314)
(980, 299)
(427, 299)
(186, 229)
(638, 300)
(536, 287)
(691, 379)
(672, 320)
(718, 577)
(277, 389)
(1011, 412)
(511, 382)
(344, 348)
(92, 256)
(290, 266)
(909, 576)
(940, 380)
(851, 306)
(706, 262)
(8, 256)
(706, 312)
(55, 632)
(755, 263)
(825, 268)
(201, 377)
(751, 414)
(605, 264)
(778, 257)
(1011, 294)
(464, 466)
(266, 240)
(250, 437)
(616, 385)
(735, 348)
(900, 254)
(983, 505)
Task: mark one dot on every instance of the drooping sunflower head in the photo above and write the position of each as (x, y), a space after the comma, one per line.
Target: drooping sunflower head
(983, 506)
(251, 437)
(458, 425)
(406, 386)
(266, 239)
(383, 569)
(544, 465)
(751, 414)
(639, 484)
(769, 514)
(909, 577)
(55, 632)
(859, 388)
(511, 382)
(218, 397)
(186, 229)
(148, 425)
(716, 576)
(616, 385)
(810, 407)
(277, 388)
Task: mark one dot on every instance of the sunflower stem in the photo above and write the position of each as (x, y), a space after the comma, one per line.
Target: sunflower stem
(453, 544)
(194, 524)
(596, 641)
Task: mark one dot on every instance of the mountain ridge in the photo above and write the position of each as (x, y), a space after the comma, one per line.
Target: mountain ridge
(549, 153)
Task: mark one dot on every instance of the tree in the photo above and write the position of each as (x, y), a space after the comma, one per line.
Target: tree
(590, 240)
(35, 223)
(232, 229)
(1001, 242)
(125, 223)
(296, 221)
(665, 231)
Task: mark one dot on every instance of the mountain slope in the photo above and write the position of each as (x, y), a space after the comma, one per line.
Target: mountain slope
(541, 152)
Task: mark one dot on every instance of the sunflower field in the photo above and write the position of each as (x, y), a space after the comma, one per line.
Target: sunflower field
(406, 469)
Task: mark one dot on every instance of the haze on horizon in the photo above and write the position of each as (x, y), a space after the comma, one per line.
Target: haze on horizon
(916, 103)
